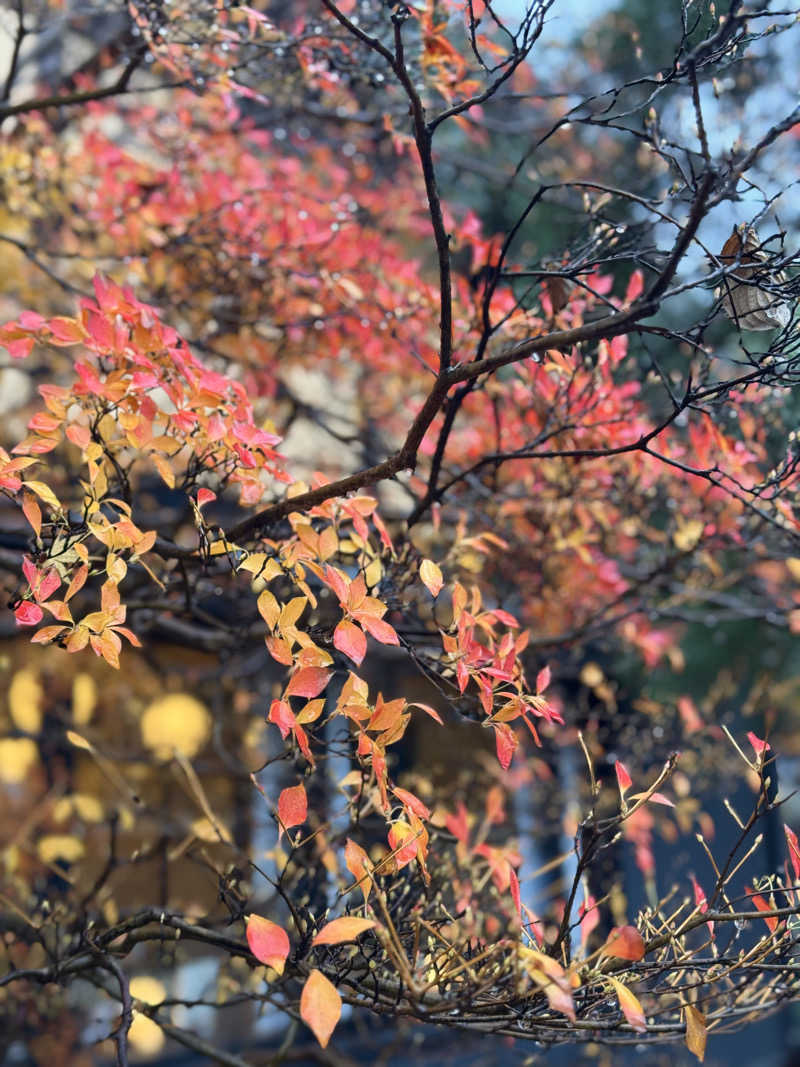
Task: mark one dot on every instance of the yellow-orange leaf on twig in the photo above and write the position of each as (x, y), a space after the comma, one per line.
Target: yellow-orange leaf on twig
(631, 1008)
(347, 928)
(320, 1006)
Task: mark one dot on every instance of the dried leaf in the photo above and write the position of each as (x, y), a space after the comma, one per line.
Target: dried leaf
(695, 1031)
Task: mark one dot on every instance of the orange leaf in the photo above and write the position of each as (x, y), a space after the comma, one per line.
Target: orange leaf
(292, 807)
(348, 638)
(358, 865)
(347, 928)
(320, 1006)
(32, 512)
(625, 943)
(268, 942)
(631, 1008)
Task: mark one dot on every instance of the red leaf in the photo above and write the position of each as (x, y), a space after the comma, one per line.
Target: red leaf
(411, 802)
(292, 807)
(635, 287)
(308, 682)
(281, 714)
(268, 942)
(320, 1006)
(701, 901)
(348, 638)
(762, 905)
(623, 778)
(794, 850)
(542, 680)
(205, 496)
(506, 741)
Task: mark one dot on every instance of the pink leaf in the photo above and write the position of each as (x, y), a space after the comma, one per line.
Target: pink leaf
(28, 614)
(268, 942)
(759, 746)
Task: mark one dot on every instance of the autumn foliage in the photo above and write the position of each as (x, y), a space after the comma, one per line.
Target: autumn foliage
(302, 415)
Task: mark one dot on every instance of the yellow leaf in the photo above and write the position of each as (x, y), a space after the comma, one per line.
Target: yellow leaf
(45, 493)
(431, 576)
(25, 700)
(175, 723)
(17, 758)
(688, 534)
(268, 608)
(163, 467)
(292, 611)
(64, 847)
(695, 1031)
(84, 698)
(88, 807)
(145, 1036)
(147, 989)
